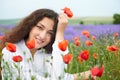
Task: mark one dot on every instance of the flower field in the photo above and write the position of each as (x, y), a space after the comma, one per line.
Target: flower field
(95, 48)
(91, 47)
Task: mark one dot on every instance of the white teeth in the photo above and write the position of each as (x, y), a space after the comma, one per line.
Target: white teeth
(39, 41)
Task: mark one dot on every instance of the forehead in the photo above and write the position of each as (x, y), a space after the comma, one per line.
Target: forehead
(46, 22)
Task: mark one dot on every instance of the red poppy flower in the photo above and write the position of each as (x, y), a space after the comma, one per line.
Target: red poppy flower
(96, 71)
(86, 33)
(116, 34)
(84, 55)
(68, 12)
(31, 44)
(17, 58)
(89, 43)
(67, 58)
(93, 37)
(76, 38)
(63, 45)
(11, 47)
(112, 48)
(77, 41)
(80, 59)
(95, 55)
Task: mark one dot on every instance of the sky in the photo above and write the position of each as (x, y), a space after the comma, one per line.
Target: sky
(12, 9)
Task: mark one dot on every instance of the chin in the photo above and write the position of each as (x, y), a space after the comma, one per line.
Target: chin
(39, 47)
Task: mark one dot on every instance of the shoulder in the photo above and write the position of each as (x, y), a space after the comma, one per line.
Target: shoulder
(20, 43)
(21, 46)
(6, 52)
(8, 55)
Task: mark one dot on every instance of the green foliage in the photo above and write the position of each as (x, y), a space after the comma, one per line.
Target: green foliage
(81, 22)
(116, 18)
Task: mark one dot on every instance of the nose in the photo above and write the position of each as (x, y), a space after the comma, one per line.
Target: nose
(43, 35)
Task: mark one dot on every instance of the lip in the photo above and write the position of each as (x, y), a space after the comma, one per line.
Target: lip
(39, 41)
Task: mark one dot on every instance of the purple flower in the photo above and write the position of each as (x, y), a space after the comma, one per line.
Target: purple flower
(96, 30)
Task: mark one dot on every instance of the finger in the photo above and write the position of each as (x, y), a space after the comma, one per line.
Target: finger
(63, 15)
(61, 11)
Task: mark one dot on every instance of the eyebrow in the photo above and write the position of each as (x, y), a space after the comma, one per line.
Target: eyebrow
(44, 27)
(41, 25)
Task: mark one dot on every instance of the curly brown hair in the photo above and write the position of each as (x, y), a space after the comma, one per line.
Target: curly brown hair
(22, 30)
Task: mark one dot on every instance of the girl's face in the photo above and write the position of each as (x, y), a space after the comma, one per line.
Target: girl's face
(42, 32)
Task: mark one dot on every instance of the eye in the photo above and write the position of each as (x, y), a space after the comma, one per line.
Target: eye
(40, 27)
(50, 32)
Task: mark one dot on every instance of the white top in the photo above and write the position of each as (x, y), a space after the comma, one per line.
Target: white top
(43, 67)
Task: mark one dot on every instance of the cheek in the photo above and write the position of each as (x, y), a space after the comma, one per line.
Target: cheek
(31, 35)
(34, 33)
(49, 39)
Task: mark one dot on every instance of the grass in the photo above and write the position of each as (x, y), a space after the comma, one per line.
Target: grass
(76, 21)
(91, 20)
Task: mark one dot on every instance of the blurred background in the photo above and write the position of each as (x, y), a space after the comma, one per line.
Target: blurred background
(97, 16)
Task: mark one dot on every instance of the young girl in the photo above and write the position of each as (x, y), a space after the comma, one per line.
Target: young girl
(46, 27)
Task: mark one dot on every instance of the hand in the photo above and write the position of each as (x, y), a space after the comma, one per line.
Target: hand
(62, 23)
(85, 75)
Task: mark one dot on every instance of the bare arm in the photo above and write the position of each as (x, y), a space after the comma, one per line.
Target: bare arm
(62, 23)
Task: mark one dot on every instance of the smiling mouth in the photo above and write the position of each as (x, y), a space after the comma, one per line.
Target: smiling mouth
(39, 41)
